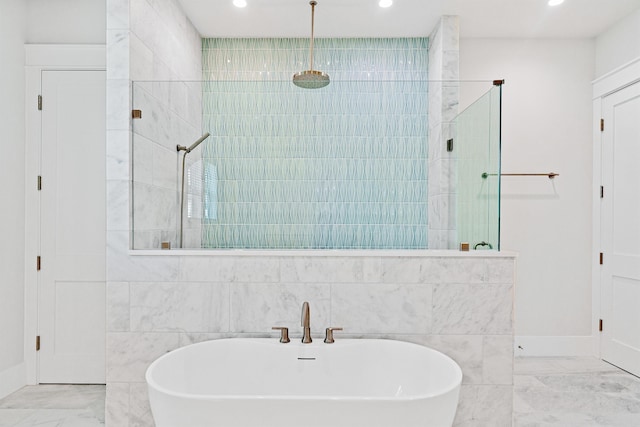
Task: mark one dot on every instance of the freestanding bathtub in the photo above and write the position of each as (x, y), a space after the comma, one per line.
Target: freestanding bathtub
(244, 382)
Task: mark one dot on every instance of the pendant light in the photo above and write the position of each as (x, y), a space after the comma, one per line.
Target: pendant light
(311, 79)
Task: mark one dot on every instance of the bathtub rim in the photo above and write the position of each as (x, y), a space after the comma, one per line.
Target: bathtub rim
(456, 384)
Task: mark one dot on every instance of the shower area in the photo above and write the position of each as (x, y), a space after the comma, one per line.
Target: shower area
(245, 159)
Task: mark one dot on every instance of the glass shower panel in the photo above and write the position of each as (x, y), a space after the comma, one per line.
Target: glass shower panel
(477, 153)
(345, 167)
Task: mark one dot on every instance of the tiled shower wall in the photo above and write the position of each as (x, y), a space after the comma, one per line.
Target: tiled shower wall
(342, 167)
(164, 47)
(460, 304)
(443, 108)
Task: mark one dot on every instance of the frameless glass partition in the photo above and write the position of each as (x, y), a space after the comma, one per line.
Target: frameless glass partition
(477, 154)
(267, 165)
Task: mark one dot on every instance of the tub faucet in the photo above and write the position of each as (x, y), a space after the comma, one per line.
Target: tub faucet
(305, 323)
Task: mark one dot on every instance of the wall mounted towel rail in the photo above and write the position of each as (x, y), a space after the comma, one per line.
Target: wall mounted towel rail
(549, 175)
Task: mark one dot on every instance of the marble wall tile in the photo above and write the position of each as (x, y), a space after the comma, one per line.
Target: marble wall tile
(450, 32)
(497, 357)
(256, 269)
(166, 167)
(501, 270)
(230, 269)
(117, 306)
(466, 350)
(118, 54)
(484, 405)
(257, 307)
(117, 14)
(455, 270)
(207, 269)
(117, 405)
(463, 309)
(154, 207)
(193, 307)
(139, 407)
(130, 354)
(321, 269)
(118, 107)
(118, 154)
(118, 205)
(142, 159)
(383, 308)
(371, 270)
(142, 58)
(121, 267)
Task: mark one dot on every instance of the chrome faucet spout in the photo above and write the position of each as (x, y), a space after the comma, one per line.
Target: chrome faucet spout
(306, 323)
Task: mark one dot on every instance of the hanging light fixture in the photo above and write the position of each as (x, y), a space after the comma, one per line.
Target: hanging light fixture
(311, 79)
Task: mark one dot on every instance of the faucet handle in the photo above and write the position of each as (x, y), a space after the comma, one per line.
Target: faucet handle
(328, 336)
(284, 333)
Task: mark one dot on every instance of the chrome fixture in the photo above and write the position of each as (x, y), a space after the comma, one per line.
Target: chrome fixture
(284, 333)
(186, 150)
(311, 79)
(328, 335)
(305, 323)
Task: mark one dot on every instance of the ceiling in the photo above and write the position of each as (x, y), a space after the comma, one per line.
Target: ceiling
(407, 18)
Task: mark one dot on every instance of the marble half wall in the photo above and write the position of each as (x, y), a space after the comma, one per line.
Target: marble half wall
(456, 303)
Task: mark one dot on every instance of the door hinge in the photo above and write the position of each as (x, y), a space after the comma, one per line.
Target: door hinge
(601, 258)
(39, 182)
(601, 125)
(602, 192)
(38, 263)
(38, 343)
(136, 114)
(39, 102)
(600, 325)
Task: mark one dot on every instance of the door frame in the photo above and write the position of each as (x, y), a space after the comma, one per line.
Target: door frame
(39, 58)
(614, 81)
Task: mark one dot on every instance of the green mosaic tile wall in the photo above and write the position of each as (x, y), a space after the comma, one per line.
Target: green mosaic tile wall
(343, 167)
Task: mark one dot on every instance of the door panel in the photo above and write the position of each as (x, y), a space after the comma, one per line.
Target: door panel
(71, 289)
(620, 227)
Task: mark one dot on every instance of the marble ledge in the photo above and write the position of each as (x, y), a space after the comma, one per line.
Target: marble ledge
(426, 253)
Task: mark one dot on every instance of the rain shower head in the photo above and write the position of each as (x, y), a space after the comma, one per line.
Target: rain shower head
(194, 145)
(311, 79)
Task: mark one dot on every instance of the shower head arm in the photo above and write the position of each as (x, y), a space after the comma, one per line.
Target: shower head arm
(194, 145)
(313, 9)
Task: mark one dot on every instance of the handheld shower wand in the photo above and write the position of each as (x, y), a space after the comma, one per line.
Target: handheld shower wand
(186, 150)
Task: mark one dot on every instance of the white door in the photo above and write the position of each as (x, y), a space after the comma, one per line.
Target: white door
(71, 285)
(620, 228)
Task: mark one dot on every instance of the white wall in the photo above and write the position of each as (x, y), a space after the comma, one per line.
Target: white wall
(618, 45)
(547, 121)
(12, 36)
(66, 21)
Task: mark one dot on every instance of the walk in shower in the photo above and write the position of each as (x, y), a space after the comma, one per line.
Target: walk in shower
(355, 165)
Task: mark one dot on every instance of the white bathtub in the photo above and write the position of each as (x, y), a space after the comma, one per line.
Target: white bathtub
(244, 382)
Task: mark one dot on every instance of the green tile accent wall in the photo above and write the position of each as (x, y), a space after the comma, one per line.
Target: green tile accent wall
(343, 167)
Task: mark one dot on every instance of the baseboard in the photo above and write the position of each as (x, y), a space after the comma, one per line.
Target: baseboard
(12, 379)
(575, 346)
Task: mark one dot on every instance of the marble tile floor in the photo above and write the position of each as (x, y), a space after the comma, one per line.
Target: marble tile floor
(574, 392)
(52, 405)
(548, 392)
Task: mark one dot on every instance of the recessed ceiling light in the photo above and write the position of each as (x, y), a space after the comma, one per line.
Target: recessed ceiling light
(240, 3)
(555, 2)
(385, 3)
